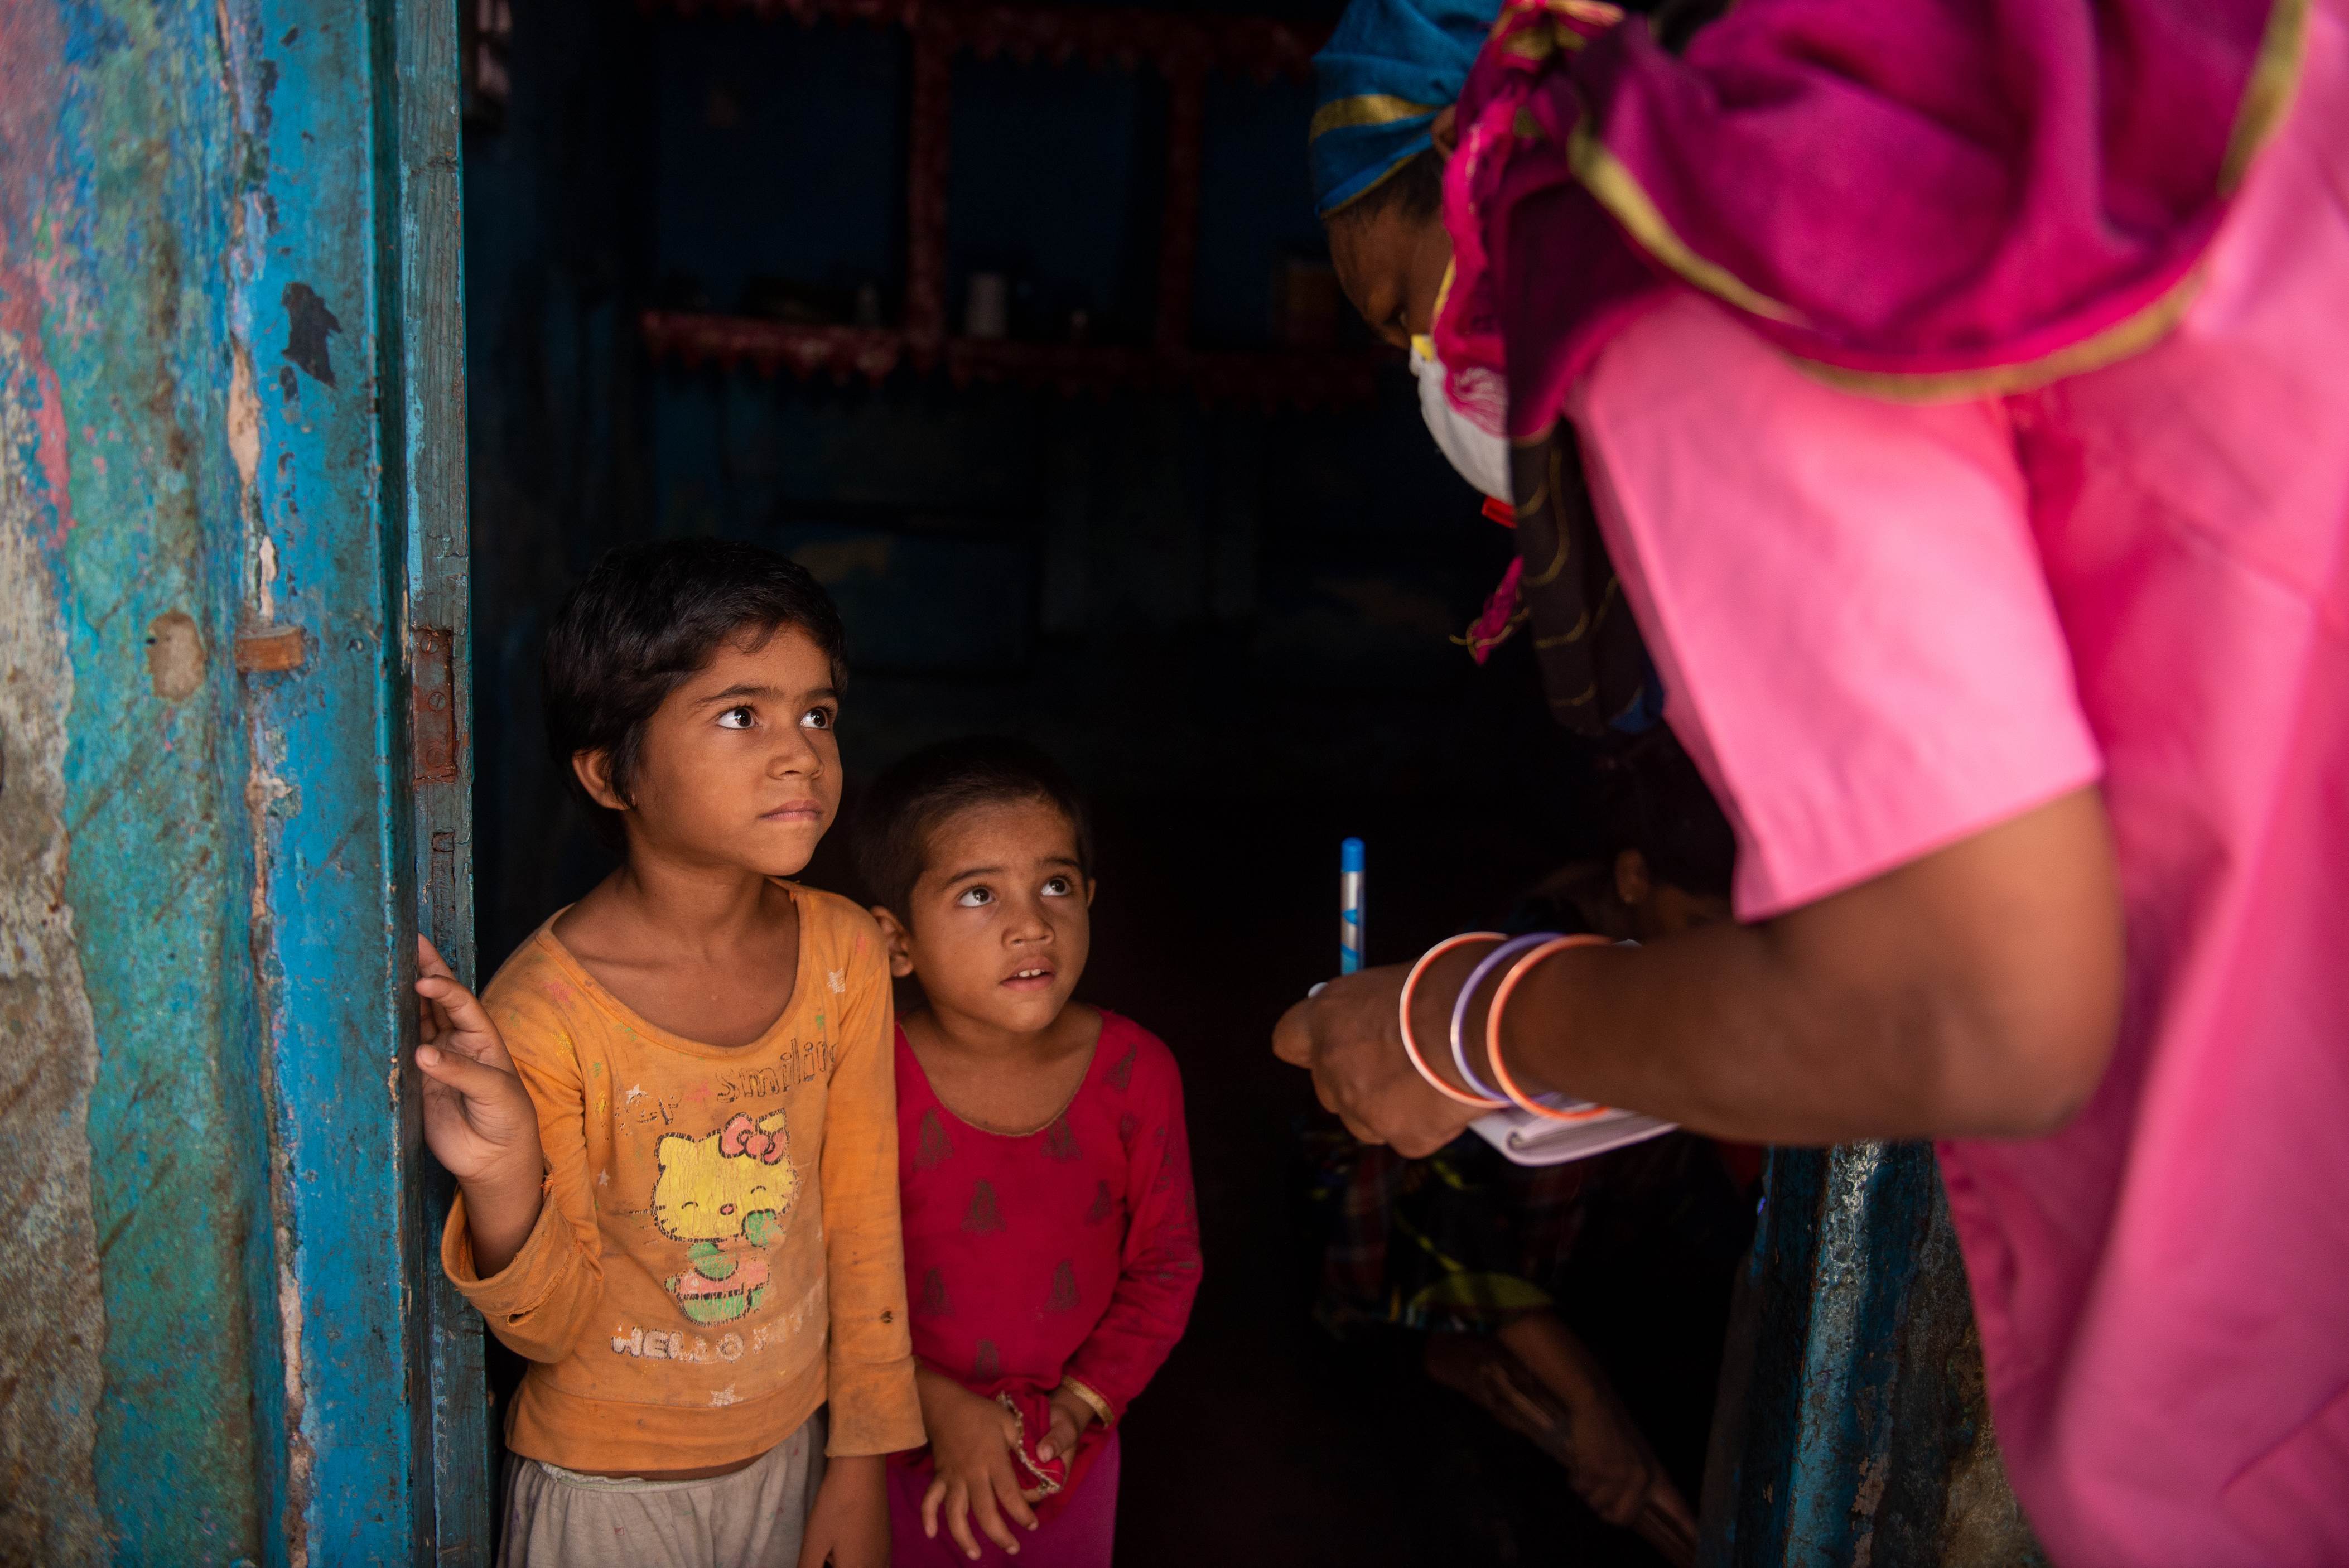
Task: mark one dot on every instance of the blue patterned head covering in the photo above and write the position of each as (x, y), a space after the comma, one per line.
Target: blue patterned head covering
(1388, 69)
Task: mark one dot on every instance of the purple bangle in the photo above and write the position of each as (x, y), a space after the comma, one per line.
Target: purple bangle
(1492, 960)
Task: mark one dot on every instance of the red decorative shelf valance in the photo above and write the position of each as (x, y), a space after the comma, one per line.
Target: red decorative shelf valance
(1266, 378)
(1257, 47)
(1184, 50)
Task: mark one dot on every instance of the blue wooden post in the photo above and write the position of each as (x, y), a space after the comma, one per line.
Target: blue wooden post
(432, 496)
(230, 469)
(1852, 1427)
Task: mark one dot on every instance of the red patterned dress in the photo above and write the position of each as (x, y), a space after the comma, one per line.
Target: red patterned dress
(1071, 1252)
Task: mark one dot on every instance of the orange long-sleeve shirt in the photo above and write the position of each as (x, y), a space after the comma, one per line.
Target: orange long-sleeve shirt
(719, 1251)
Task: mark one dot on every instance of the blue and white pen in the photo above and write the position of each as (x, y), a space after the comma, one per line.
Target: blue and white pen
(1350, 906)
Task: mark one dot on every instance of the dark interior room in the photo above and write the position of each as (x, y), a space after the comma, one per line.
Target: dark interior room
(1021, 334)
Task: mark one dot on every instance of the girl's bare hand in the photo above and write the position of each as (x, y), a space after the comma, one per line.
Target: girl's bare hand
(1070, 1415)
(478, 1117)
(970, 1442)
(848, 1527)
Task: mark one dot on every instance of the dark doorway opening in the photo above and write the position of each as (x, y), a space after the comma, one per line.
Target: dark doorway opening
(1224, 597)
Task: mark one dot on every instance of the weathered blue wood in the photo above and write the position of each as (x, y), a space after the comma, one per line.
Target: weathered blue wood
(215, 456)
(1852, 1427)
(308, 309)
(453, 1510)
(144, 1386)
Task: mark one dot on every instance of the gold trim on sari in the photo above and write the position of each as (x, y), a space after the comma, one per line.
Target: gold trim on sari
(2267, 96)
(2131, 334)
(1620, 191)
(1443, 294)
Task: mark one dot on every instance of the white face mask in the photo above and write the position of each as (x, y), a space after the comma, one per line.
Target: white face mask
(1481, 456)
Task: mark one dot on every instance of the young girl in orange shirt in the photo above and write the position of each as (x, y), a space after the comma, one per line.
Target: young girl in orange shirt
(679, 1164)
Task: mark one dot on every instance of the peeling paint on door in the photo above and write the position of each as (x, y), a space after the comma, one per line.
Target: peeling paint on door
(211, 1346)
(48, 1056)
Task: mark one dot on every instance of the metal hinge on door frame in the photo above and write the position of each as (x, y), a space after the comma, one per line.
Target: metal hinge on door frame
(433, 735)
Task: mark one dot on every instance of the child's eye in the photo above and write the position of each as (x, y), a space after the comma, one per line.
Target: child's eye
(737, 719)
(975, 897)
(817, 719)
(1058, 887)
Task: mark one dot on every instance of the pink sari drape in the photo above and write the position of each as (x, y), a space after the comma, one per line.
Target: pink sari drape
(1931, 199)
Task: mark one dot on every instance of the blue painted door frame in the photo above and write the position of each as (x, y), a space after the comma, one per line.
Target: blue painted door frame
(233, 772)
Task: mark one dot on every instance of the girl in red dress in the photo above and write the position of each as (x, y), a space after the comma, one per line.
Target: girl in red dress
(1051, 1246)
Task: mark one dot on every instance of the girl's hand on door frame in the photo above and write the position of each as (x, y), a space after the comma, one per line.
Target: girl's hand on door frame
(478, 1118)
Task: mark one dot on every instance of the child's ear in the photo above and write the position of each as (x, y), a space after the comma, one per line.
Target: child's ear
(897, 942)
(1091, 887)
(595, 772)
(1445, 131)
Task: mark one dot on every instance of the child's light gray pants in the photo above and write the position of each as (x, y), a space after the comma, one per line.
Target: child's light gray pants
(752, 1519)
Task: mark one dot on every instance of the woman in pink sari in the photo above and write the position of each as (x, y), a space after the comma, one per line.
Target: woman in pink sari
(1963, 392)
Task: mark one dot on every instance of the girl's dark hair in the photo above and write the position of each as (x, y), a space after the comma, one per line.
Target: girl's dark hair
(644, 618)
(909, 800)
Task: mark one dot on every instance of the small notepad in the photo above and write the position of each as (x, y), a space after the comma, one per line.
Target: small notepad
(1529, 1140)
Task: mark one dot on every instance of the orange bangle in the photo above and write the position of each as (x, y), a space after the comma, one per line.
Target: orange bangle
(1501, 1075)
(1411, 1046)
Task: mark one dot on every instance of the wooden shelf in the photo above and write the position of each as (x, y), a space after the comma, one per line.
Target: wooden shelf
(1257, 47)
(1182, 48)
(1294, 379)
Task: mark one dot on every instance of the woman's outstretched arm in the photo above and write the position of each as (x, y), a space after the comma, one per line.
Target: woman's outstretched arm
(1974, 991)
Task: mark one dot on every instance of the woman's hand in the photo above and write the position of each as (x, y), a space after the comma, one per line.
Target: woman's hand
(970, 1441)
(848, 1527)
(478, 1118)
(1348, 1036)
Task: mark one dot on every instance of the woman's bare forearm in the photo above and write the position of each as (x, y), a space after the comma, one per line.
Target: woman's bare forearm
(1716, 1031)
(1973, 992)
